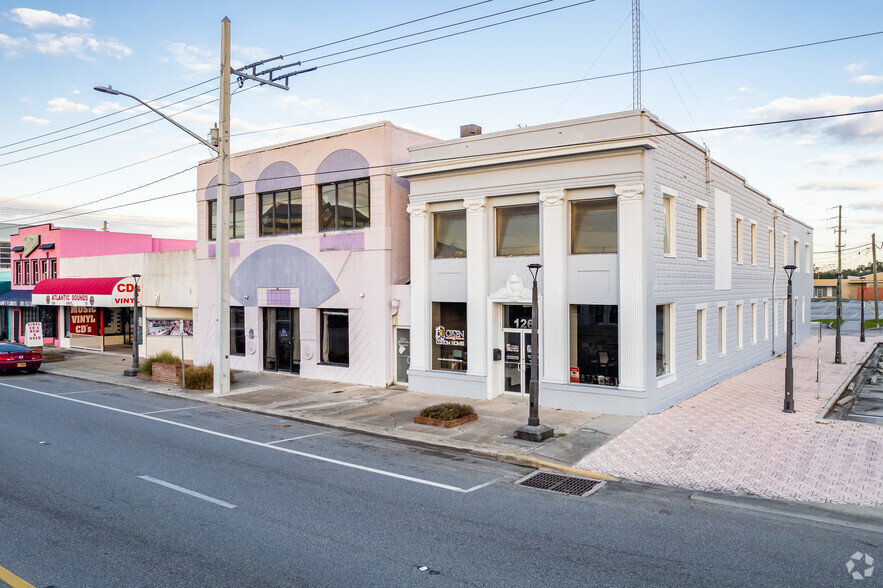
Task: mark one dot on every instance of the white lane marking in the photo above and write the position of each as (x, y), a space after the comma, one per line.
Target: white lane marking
(354, 466)
(296, 438)
(174, 409)
(85, 392)
(189, 492)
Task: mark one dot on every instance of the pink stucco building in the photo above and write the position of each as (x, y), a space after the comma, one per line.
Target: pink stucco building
(38, 253)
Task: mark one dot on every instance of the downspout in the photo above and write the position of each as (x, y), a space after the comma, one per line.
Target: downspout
(773, 297)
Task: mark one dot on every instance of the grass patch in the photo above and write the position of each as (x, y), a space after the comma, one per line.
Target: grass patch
(146, 365)
(830, 322)
(447, 411)
(201, 377)
(871, 324)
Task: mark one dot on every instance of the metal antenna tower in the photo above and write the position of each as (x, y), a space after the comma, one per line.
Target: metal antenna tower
(636, 54)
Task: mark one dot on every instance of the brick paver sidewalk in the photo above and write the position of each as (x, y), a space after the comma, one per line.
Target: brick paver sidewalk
(734, 437)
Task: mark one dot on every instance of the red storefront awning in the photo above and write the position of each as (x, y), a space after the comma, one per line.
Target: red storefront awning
(106, 292)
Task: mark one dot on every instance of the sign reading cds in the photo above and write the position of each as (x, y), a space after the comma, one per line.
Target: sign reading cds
(452, 337)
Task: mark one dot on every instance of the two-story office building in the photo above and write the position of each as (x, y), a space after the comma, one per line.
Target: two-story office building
(662, 269)
(318, 257)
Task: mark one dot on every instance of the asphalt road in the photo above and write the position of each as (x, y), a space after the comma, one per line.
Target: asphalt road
(114, 487)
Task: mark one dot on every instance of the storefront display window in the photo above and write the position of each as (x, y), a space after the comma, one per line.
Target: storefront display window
(593, 226)
(518, 230)
(335, 336)
(450, 234)
(449, 336)
(594, 344)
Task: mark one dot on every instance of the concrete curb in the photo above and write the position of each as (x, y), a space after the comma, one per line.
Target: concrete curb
(411, 438)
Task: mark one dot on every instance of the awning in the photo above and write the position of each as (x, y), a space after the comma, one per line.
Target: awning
(105, 292)
(16, 298)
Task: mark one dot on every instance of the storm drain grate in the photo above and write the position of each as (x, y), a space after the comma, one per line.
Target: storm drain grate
(560, 483)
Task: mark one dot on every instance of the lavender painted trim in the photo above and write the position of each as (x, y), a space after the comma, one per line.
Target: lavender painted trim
(277, 176)
(342, 242)
(237, 188)
(343, 164)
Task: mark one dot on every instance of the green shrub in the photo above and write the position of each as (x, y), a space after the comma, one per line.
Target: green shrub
(146, 365)
(201, 377)
(447, 411)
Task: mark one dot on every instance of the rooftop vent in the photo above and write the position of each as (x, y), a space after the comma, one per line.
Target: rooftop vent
(469, 130)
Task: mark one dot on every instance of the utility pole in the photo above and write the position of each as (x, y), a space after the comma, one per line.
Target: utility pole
(222, 236)
(874, 261)
(837, 355)
(222, 229)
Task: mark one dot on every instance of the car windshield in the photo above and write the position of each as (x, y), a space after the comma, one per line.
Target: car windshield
(12, 347)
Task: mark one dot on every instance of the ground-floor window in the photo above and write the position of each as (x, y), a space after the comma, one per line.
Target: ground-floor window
(237, 330)
(335, 325)
(449, 336)
(663, 339)
(47, 315)
(594, 344)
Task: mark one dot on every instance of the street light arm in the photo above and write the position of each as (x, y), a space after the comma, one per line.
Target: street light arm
(114, 92)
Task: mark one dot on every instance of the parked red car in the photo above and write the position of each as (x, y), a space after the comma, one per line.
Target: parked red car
(14, 356)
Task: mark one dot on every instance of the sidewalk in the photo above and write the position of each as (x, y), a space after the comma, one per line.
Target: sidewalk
(732, 437)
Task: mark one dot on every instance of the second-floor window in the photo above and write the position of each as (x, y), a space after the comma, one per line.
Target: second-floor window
(281, 213)
(344, 205)
(237, 218)
(593, 226)
(450, 234)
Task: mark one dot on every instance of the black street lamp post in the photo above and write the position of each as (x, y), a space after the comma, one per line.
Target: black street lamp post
(133, 371)
(789, 368)
(862, 338)
(533, 430)
(837, 355)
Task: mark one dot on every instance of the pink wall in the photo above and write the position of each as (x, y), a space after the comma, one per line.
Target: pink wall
(86, 243)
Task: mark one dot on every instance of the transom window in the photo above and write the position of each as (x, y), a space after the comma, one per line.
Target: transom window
(593, 226)
(281, 213)
(344, 205)
(518, 230)
(237, 218)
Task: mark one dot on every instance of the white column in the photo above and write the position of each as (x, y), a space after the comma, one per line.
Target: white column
(420, 306)
(554, 326)
(476, 287)
(632, 288)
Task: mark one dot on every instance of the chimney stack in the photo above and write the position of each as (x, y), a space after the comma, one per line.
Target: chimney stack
(469, 130)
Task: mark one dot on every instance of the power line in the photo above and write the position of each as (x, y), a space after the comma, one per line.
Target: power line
(466, 157)
(555, 84)
(103, 117)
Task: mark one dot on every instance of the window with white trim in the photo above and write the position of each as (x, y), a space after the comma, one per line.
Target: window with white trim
(739, 241)
(668, 229)
(766, 320)
(721, 329)
(739, 327)
(700, 334)
(754, 322)
(701, 231)
(664, 336)
(753, 243)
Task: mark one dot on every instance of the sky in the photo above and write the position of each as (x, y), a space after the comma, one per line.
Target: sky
(79, 158)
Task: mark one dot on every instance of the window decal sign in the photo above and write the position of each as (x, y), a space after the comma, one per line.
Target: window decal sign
(452, 337)
(84, 320)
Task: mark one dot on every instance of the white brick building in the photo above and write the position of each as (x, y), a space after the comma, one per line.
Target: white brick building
(662, 269)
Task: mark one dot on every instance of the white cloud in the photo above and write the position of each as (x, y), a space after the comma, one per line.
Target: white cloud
(35, 121)
(65, 105)
(12, 47)
(75, 91)
(855, 67)
(840, 185)
(867, 80)
(194, 58)
(81, 46)
(36, 19)
(746, 89)
(866, 127)
(868, 160)
(833, 159)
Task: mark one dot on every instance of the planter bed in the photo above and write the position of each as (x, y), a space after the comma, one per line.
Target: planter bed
(421, 420)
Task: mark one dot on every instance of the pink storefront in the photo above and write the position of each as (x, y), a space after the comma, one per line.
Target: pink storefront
(39, 251)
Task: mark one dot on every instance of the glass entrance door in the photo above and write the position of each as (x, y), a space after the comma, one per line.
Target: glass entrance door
(282, 340)
(403, 355)
(516, 364)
